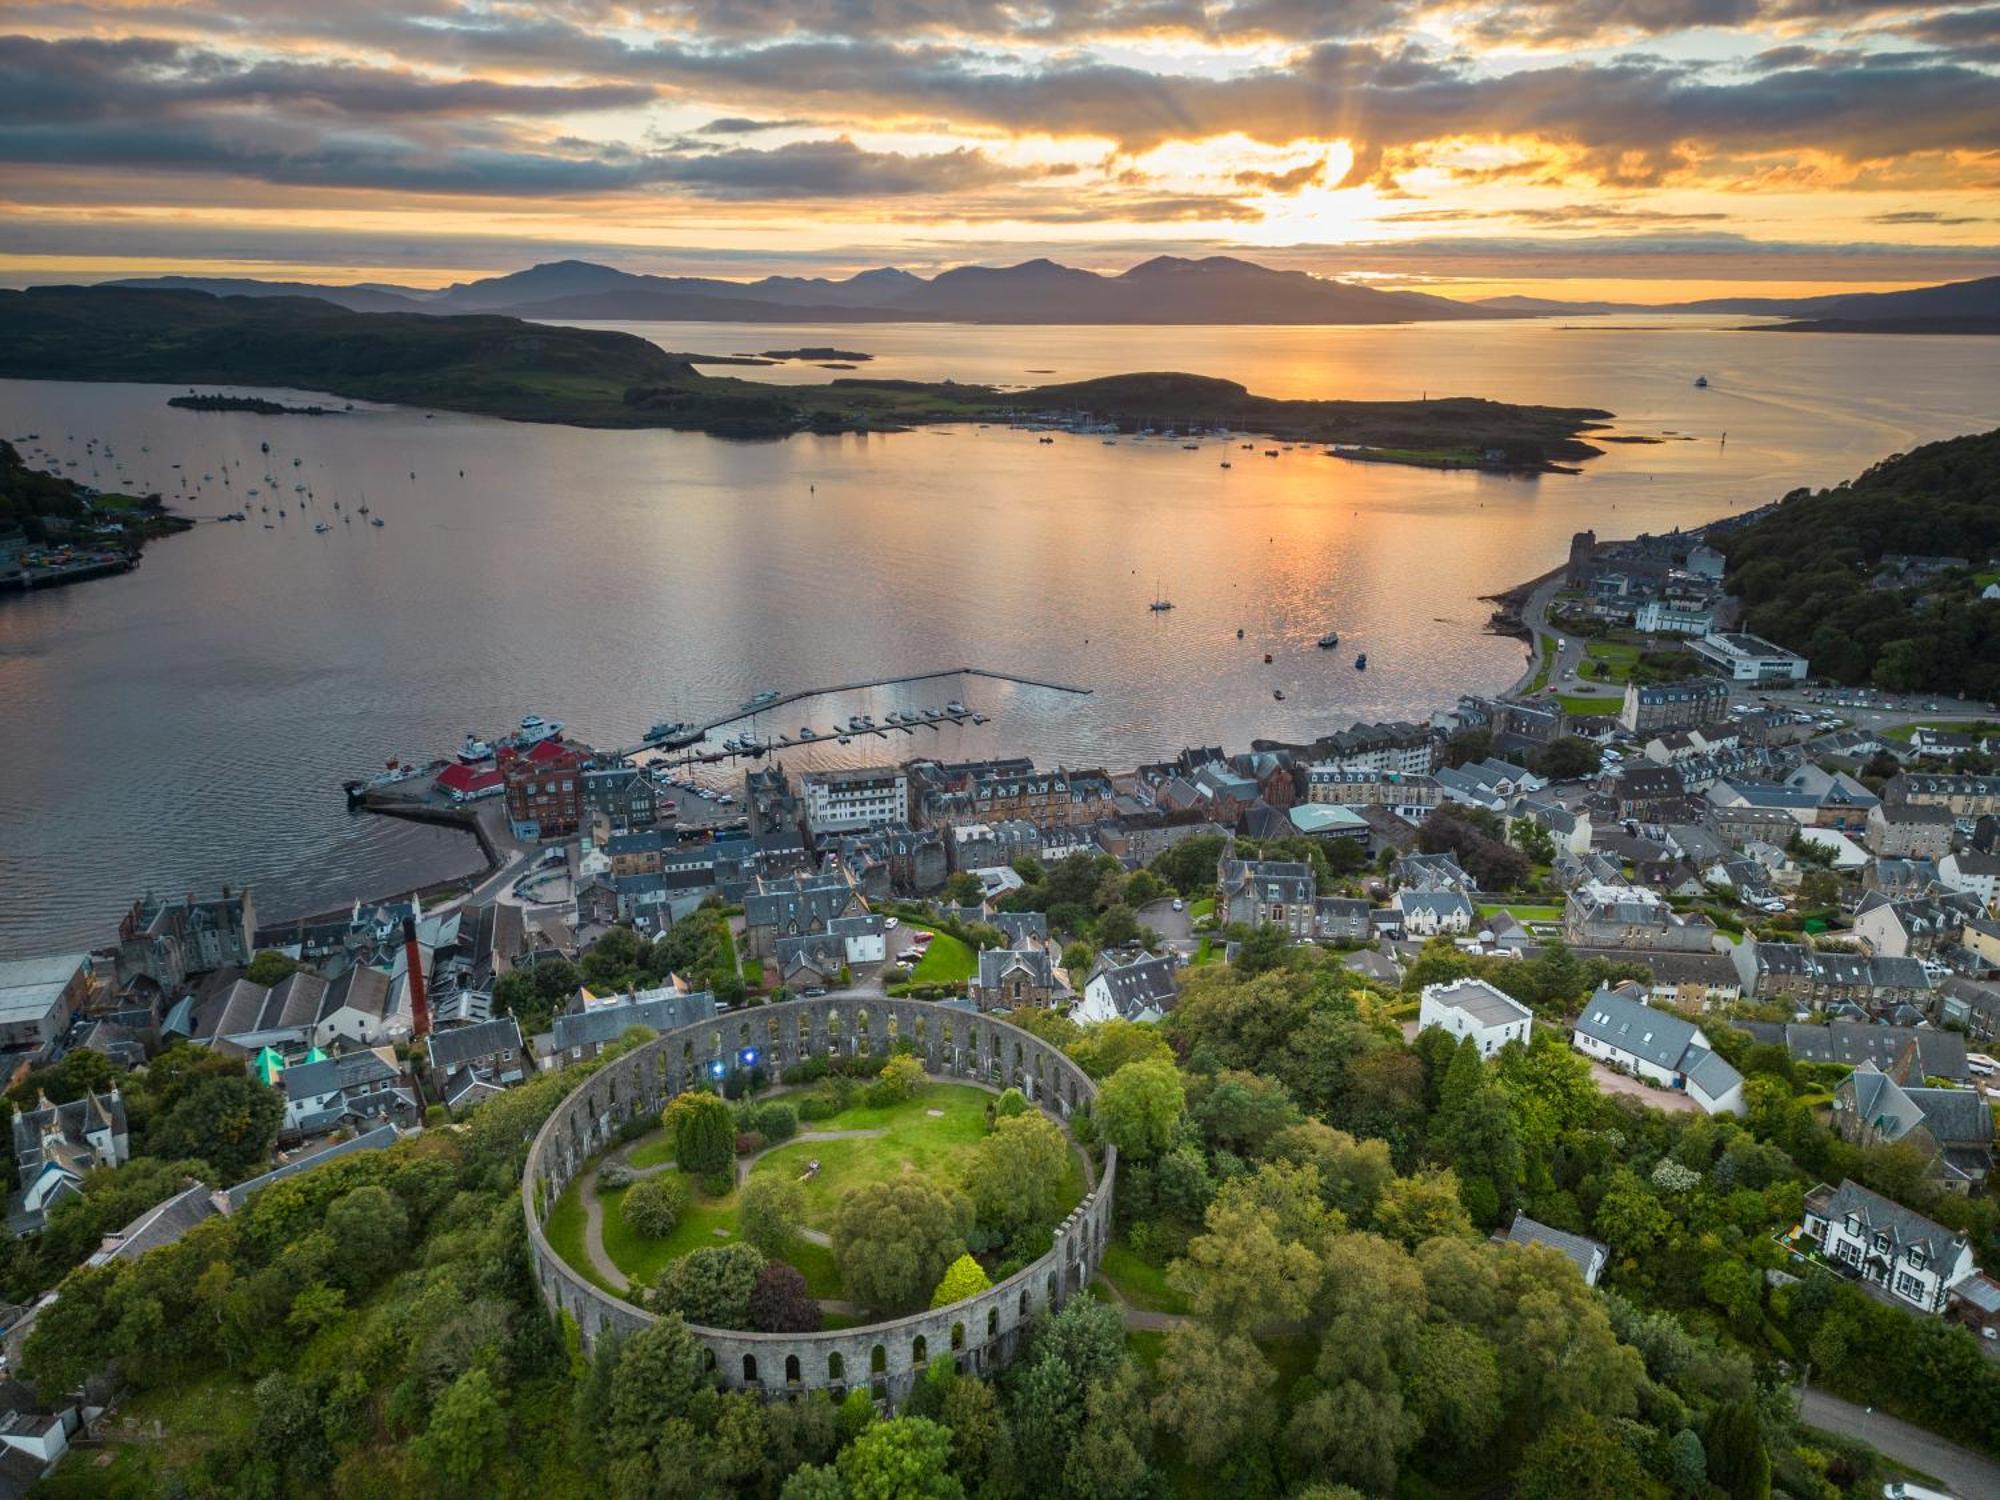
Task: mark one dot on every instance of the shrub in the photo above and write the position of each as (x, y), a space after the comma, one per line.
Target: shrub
(704, 1132)
(898, 1082)
(615, 1174)
(710, 1286)
(717, 1184)
(781, 1302)
(963, 1278)
(654, 1205)
(749, 1142)
(770, 1211)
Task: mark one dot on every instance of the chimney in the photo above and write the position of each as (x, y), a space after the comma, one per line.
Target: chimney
(420, 1009)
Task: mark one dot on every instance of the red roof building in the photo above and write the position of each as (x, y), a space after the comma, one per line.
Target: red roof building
(470, 783)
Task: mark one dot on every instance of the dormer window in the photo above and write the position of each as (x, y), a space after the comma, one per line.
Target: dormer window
(1882, 1243)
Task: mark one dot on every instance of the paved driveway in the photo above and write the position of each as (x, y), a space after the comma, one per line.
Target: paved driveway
(1969, 1474)
(1173, 926)
(1671, 1100)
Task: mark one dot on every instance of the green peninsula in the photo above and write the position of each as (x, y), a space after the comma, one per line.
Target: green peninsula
(532, 372)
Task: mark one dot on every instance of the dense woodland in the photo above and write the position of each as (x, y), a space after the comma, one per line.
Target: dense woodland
(1804, 572)
(1304, 1201)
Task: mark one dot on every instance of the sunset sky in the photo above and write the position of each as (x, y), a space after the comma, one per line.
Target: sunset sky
(1652, 149)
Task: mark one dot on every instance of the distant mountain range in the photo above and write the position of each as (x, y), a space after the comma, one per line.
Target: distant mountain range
(1167, 289)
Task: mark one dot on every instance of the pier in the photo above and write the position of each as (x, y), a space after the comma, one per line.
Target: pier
(700, 732)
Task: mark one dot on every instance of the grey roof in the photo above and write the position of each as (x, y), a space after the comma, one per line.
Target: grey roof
(468, 1044)
(161, 1224)
(1941, 1053)
(1587, 1254)
(310, 1080)
(1023, 927)
(1710, 1072)
(1479, 1000)
(379, 1139)
(662, 1011)
(1439, 903)
(996, 963)
(1904, 1226)
(1145, 984)
(30, 986)
(1292, 880)
(1657, 1036)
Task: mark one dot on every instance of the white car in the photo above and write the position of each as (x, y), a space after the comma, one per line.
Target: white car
(890, 924)
(1179, 905)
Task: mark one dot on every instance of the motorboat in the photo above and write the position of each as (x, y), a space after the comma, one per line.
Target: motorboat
(664, 731)
(806, 733)
(374, 520)
(535, 728)
(1279, 694)
(1701, 382)
(954, 707)
(321, 527)
(1239, 632)
(1361, 662)
(1328, 641)
(761, 699)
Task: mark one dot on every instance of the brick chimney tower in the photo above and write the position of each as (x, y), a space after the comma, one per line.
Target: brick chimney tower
(420, 1007)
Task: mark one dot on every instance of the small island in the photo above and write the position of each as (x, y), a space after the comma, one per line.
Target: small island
(256, 405)
(818, 353)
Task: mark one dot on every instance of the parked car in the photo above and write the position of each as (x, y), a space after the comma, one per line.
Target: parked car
(1179, 905)
(890, 924)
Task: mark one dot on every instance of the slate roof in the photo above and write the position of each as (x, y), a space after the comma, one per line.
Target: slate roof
(662, 1010)
(379, 1139)
(470, 1044)
(159, 1225)
(1292, 879)
(1023, 927)
(1584, 1252)
(1904, 1226)
(996, 963)
(1145, 984)
(1657, 1036)
(1940, 1053)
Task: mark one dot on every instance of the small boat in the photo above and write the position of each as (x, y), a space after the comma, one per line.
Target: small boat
(664, 731)
(1361, 662)
(844, 740)
(1191, 447)
(474, 750)
(805, 732)
(1701, 382)
(1161, 603)
(1279, 694)
(374, 520)
(321, 527)
(1267, 658)
(1239, 632)
(1270, 453)
(1225, 463)
(954, 707)
(1048, 440)
(1328, 641)
(264, 447)
(535, 728)
(760, 698)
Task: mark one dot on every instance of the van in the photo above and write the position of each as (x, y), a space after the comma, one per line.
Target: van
(1979, 1065)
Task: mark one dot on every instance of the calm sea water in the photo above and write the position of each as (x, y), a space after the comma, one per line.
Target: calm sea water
(189, 724)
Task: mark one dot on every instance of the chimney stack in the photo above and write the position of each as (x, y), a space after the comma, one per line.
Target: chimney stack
(420, 1007)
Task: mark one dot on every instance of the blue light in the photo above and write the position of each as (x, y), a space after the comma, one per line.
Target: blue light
(716, 1067)
(747, 1057)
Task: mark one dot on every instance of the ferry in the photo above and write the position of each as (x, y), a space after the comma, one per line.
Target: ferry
(1328, 641)
(534, 728)
(761, 698)
(474, 750)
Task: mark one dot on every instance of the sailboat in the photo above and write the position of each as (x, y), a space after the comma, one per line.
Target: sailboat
(1161, 603)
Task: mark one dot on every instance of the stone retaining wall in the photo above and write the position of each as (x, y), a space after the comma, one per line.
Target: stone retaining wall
(982, 1332)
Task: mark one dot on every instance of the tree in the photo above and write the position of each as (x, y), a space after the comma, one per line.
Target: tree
(964, 889)
(467, 1429)
(1451, 1385)
(1248, 1270)
(769, 1211)
(963, 1278)
(904, 1458)
(710, 1286)
(1139, 1105)
(781, 1302)
(704, 1132)
(1353, 1433)
(1241, 1111)
(899, 1080)
(653, 1205)
(1423, 1207)
(1534, 841)
(1352, 1173)
(1629, 1215)
(1569, 758)
(1104, 1049)
(814, 1482)
(1580, 1458)
(230, 1123)
(371, 1227)
(1738, 1462)
(894, 1239)
(1265, 948)
(1189, 867)
(1017, 1171)
(1116, 926)
(661, 1397)
(1214, 1392)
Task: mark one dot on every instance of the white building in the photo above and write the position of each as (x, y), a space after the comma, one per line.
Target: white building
(1428, 913)
(1674, 617)
(1473, 1008)
(1749, 658)
(862, 798)
(1143, 990)
(1896, 1248)
(1973, 874)
(1623, 1030)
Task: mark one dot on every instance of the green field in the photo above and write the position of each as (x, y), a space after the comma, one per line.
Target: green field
(1615, 660)
(914, 1140)
(1141, 1284)
(949, 961)
(1197, 910)
(1525, 913)
(1582, 703)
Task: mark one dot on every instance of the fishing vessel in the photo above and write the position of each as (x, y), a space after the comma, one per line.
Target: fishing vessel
(474, 750)
(535, 728)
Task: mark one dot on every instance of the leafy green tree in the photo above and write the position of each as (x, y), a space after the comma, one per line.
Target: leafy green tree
(1262, 949)
(899, 1080)
(1738, 1462)
(1116, 926)
(814, 1482)
(1581, 1458)
(1352, 1173)
(653, 1205)
(1475, 1129)
(1241, 1111)
(1189, 867)
(964, 889)
(1104, 1049)
(710, 1286)
(230, 1123)
(372, 1229)
(1374, 1302)
(1011, 1102)
(963, 1278)
(781, 1302)
(1251, 1267)
(467, 1429)
(1139, 1106)
(1569, 758)
(1630, 1216)
(904, 1458)
(1423, 1207)
(269, 967)
(894, 1239)
(662, 1399)
(769, 1211)
(1214, 1392)
(1451, 1386)
(704, 1132)
(1016, 1172)
(1353, 1434)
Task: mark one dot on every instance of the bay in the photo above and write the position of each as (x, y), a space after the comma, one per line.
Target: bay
(189, 724)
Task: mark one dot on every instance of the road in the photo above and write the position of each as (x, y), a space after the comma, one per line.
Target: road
(1967, 1473)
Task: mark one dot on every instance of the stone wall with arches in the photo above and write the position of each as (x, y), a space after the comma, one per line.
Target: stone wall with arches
(982, 1332)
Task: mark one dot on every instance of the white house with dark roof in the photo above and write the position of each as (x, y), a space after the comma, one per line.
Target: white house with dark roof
(1143, 990)
(1473, 1008)
(1586, 1254)
(57, 1145)
(1621, 1029)
(1914, 1259)
(1428, 913)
